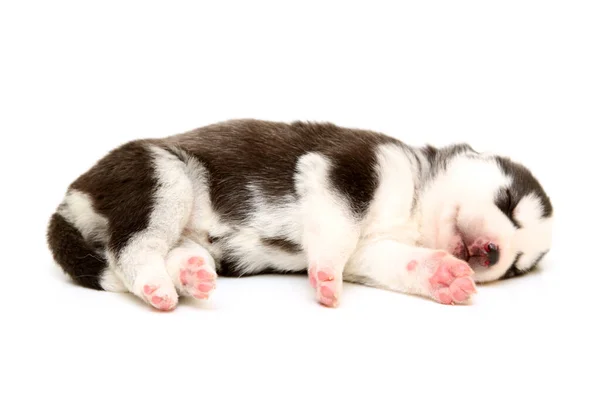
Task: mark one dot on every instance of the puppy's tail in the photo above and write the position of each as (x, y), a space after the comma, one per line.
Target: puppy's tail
(78, 259)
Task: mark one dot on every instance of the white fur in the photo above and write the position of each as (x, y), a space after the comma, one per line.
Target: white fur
(142, 261)
(329, 230)
(390, 212)
(383, 264)
(536, 234)
(111, 282)
(78, 210)
(269, 220)
(389, 231)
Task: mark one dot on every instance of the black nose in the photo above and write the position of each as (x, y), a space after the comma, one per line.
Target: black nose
(493, 254)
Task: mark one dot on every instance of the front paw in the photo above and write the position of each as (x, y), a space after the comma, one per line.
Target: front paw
(450, 281)
(439, 275)
(327, 284)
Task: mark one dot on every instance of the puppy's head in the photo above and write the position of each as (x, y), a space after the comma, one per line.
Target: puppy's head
(487, 210)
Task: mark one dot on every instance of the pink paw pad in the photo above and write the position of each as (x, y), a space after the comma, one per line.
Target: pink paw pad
(411, 265)
(196, 261)
(197, 278)
(451, 282)
(327, 295)
(161, 302)
(324, 281)
(149, 289)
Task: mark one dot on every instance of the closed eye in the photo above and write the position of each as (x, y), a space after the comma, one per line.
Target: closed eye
(514, 271)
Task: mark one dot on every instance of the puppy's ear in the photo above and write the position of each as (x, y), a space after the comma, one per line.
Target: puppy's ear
(458, 149)
(441, 156)
(430, 152)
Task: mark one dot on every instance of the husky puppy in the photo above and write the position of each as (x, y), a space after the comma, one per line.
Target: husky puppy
(161, 218)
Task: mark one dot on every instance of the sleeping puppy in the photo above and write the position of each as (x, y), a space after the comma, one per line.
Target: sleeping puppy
(161, 218)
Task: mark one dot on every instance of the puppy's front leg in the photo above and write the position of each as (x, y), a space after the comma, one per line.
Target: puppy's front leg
(413, 270)
(330, 230)
(329, 243)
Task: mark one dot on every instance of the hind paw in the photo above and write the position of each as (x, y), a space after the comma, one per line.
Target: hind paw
(161, 297)
(192, 270)
(196, 278)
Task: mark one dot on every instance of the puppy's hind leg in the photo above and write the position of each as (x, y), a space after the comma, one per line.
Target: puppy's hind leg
(141, 239)
(192, 269)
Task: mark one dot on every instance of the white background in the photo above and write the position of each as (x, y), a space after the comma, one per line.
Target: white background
(520, 78)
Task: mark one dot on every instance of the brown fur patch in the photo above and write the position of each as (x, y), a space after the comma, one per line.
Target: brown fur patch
(121, 186)
(283, 244)
(239, 152)
(76, 257)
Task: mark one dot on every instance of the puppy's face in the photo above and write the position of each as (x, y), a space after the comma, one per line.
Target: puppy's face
(492, 213)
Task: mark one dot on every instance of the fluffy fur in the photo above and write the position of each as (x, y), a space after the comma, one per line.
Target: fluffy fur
(161, 218)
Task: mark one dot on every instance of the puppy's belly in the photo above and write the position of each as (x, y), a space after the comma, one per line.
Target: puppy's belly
(241, 255)
(247, 251)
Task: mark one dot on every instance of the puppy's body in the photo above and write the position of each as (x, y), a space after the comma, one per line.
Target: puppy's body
(160, 218)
